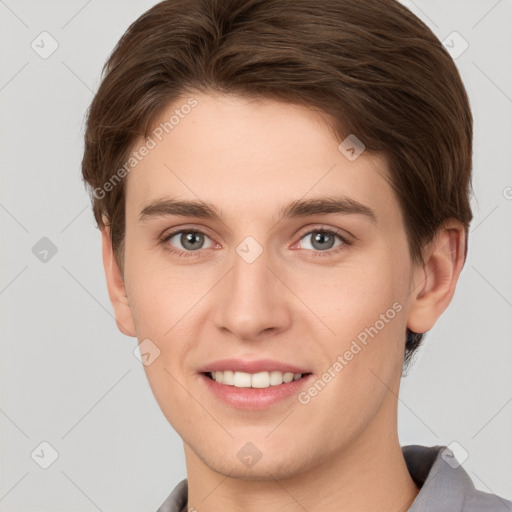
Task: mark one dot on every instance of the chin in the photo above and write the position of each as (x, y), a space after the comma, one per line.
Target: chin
(272, 467)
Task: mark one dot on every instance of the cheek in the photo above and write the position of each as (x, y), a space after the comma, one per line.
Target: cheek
(159, 292)
(362, 361)
(353, 296)
(166, 306)
(362, 308)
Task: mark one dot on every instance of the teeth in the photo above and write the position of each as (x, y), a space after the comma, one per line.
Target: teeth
(254, 380)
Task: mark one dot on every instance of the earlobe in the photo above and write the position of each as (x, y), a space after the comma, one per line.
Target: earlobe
(435, 281)
(116, 287)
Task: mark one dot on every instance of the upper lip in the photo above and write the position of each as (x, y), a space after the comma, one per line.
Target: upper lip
(255, 366)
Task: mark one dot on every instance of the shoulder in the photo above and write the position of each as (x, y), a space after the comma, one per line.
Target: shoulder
(477, 501)
(177, 500)
(445, 485)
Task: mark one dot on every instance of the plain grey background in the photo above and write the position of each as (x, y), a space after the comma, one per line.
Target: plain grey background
(70, 379)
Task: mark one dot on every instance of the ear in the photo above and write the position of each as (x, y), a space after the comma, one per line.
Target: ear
(116, 288)
(435, 280)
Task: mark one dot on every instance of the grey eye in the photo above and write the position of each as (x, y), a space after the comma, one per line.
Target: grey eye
(321, 240)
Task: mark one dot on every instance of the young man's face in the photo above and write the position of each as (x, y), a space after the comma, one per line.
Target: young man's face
(257, 286)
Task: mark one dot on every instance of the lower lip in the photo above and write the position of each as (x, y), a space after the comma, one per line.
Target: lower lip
(255, 398)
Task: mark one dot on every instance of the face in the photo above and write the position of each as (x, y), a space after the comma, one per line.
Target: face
(260, 286)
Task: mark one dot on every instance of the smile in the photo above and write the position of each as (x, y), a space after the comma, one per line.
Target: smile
(259, 380)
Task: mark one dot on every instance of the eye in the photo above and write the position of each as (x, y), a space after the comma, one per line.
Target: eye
(322, 240)
(191, 241)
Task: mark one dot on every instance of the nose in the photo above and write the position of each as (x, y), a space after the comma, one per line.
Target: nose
(254, 303)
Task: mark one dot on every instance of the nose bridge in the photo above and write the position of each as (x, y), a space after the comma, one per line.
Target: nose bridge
(250, 275)
(251, 301)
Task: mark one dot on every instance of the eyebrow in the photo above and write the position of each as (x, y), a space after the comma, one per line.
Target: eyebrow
(296, 209)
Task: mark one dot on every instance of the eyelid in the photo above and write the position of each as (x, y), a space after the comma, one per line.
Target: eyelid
(344, 235)
(169, 233)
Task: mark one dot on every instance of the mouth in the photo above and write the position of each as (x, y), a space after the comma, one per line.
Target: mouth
(254, 391)
(259, 380)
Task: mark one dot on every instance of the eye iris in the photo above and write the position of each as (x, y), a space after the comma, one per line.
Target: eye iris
(320, 236)
(187, 240)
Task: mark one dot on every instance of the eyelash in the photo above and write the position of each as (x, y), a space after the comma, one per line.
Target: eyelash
(321, 254)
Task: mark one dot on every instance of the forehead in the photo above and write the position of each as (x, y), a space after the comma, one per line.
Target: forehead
(251, 158)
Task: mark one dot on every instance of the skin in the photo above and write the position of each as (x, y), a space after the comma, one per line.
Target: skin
(250, 158)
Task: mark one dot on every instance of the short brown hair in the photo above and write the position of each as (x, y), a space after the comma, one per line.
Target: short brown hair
(372, 65)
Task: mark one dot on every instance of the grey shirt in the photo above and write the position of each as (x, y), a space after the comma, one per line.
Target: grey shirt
(444, 485)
